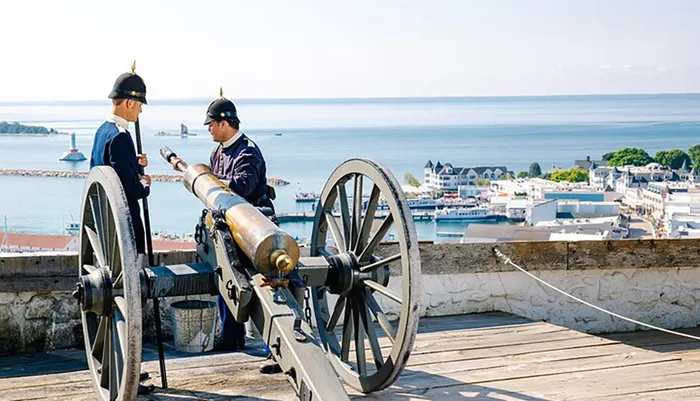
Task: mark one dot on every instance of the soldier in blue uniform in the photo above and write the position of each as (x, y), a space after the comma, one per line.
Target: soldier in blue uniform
(238, 162)
(113, 146)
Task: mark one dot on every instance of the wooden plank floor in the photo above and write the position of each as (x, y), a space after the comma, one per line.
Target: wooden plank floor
(492, 356)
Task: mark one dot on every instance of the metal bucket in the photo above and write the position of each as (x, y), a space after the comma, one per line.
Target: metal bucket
(194, 325)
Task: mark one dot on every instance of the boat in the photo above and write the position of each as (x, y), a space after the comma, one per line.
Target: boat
(278, 134)
(477, 213)
(451, 202)
(418, 203)
(303, 197)
(72, 228)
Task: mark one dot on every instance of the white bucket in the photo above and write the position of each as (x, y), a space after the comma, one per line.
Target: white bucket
(194, 325)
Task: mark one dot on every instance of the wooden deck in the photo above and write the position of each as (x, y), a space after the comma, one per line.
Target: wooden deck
(493, 356)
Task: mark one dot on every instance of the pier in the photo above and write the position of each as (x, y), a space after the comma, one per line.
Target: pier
(297, 217)
(84, 174)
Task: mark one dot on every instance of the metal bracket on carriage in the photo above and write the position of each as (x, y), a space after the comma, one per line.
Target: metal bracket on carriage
(299, 334)
(275, 283)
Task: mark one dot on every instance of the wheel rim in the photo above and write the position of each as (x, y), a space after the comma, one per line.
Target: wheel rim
(109, 291)
(367, 295)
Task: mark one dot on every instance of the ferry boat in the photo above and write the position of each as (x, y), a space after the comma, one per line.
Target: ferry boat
(419, 203)
(445, 202)
(478, 213)
(306, 197)
(72, 228)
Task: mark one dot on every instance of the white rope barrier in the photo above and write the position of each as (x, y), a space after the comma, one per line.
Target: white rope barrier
(508, 261)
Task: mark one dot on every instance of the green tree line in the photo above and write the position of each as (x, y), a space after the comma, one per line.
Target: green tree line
(673, 158)
(17, 128)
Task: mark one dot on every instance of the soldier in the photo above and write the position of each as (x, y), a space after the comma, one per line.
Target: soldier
(237, 160)
(239, 163)
(113, 146)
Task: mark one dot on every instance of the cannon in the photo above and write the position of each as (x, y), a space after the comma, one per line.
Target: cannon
(339, 314)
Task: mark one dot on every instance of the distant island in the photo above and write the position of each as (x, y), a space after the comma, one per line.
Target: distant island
(15, 128)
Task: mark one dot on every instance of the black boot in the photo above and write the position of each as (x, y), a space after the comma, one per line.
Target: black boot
(145, 389)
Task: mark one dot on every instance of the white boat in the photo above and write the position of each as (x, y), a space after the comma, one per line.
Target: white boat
(465, 214)
(72, 228)
(454, 203)
(306, 197)
(418, 203)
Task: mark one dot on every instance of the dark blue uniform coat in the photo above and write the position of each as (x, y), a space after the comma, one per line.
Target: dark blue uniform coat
(114, 147)
(243, 165)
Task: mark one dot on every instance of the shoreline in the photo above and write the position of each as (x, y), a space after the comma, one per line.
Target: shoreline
(82, 174)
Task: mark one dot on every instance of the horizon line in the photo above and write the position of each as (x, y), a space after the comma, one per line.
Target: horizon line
(358, 98)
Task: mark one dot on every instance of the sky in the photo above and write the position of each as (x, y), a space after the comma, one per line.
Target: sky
(74, 49)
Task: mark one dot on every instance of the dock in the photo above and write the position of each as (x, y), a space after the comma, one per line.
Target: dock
(296, 217)
(490, 356)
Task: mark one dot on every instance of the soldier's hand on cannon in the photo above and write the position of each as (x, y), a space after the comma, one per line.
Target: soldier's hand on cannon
(143, 159)
(175, 160)
(146, 178)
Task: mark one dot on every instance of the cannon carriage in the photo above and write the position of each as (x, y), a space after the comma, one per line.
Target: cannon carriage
(340, 313)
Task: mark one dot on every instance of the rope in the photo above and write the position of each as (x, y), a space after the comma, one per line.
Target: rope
(508, 261)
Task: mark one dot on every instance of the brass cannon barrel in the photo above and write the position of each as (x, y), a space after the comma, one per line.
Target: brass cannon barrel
(265, 244)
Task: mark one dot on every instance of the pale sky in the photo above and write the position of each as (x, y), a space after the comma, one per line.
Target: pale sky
(74, 49)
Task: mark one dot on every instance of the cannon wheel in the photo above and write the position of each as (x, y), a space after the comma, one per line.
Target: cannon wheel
(110, 297)
(377, 360)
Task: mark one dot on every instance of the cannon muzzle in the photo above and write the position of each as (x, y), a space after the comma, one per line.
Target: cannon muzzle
(172, 158)
(167, 153)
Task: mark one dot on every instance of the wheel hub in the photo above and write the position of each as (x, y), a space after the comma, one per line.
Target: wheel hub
(94, 292)
(344, 274)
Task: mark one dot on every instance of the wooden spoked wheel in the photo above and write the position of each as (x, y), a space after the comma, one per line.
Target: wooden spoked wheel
(367, 314)
(109, 290)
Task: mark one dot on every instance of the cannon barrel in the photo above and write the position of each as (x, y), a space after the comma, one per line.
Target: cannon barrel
(266, 245)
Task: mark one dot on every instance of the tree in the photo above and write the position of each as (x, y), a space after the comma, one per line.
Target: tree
(535, 170)
(672, 158)
(523, 174)
(570, 175)
(606, 157)
(479, 182)
(411, 180)
(694, 153)
(630, 156)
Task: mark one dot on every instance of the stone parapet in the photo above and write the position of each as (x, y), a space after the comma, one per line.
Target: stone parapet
(655, 281)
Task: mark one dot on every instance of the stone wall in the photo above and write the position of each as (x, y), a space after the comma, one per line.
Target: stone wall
(652, 281)
(666, 298)
(35, 321)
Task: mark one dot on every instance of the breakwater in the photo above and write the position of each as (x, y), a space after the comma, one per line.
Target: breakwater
(82, 174)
